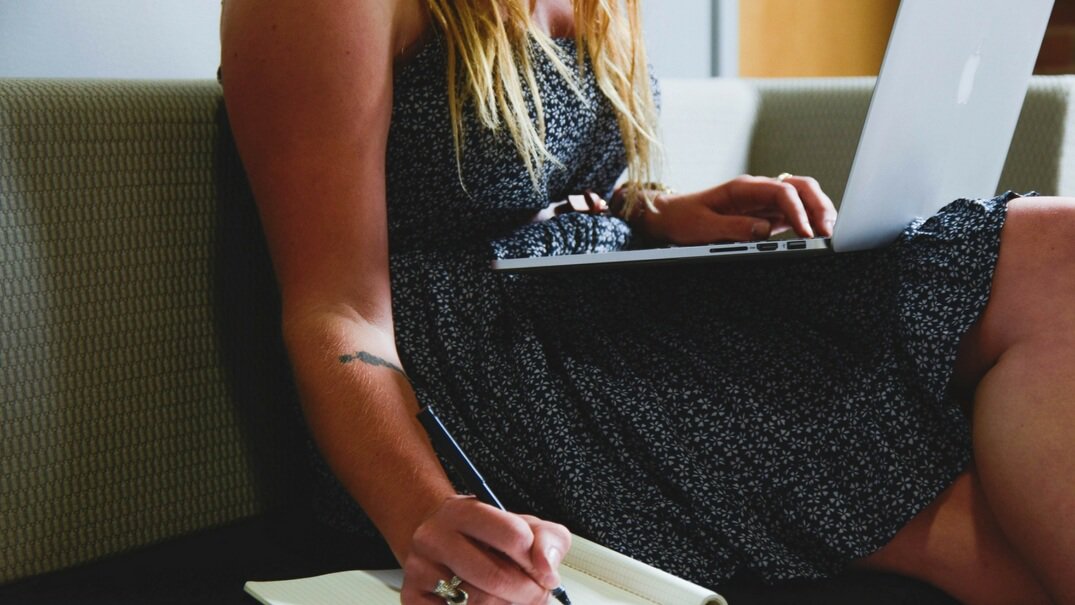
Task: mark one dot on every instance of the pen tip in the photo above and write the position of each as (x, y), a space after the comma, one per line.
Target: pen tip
(561, 595)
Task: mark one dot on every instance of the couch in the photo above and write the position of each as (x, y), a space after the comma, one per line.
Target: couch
(150, 448)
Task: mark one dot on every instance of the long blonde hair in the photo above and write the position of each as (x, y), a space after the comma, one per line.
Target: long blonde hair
(490, 45)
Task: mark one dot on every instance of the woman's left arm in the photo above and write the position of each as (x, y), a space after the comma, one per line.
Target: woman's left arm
(744, 209)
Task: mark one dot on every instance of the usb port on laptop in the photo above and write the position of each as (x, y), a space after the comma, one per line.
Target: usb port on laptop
(797, 245)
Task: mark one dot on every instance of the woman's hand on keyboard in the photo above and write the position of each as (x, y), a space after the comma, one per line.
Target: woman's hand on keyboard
(744, 209)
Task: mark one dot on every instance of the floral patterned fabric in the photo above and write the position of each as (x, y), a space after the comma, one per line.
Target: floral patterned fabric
(783, 417)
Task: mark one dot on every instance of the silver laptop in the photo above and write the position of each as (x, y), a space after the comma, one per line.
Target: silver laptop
(939, 126)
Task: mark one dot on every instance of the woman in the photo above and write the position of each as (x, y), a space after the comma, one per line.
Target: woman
(394, 148)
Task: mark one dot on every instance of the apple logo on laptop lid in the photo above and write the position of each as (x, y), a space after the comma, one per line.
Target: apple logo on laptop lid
(970, 74)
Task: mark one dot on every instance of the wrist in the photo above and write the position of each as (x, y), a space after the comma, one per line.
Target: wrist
(645, 211)
(399, 533)
(634, 198)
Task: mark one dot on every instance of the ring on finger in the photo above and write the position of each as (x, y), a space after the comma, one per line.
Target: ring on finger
(451, 593)
(783, 176)
(459, 598)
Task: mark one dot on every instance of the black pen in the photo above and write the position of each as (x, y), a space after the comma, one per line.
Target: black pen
(446, 446)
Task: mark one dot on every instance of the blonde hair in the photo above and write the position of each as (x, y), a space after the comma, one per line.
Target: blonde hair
(490, 45)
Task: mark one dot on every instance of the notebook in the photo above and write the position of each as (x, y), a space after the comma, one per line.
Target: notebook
(939, 126)
(591, 574)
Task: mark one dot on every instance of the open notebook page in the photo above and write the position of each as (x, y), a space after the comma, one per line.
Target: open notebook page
(591, 574)
(621, 579)
(340, 588)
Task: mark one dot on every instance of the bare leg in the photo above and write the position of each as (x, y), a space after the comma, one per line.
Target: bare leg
(1031, 488)
(1024, 412)
(956, 545)
(1013, 520)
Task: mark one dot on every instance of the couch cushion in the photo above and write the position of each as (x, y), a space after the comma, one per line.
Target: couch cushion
(144, 384)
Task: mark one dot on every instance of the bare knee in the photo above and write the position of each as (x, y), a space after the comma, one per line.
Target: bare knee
(956, 545)
(1034, 280)
(1039, 234)
(1046, 223)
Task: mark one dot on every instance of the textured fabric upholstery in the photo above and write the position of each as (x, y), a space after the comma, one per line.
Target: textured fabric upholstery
(125, 417)
(810, 127)
(143, 387)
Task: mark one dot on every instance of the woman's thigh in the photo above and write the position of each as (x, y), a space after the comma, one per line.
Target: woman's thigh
(956, 542)
(1032, 290)
(956, 545)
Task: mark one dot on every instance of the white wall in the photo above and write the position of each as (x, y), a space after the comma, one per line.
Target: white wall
(179, 38)
(678, 37)
(692, 38)
(109, 38)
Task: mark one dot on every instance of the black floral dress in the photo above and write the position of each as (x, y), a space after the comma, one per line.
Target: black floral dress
(777, 417)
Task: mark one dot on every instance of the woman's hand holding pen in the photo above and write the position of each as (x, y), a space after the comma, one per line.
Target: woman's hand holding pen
(501, 557)
(744, 209)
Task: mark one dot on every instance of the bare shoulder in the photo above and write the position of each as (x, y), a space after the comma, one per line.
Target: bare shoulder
(308, 90)
(374, 27)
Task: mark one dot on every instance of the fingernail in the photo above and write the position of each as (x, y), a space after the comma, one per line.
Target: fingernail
(554, 555)
(760, 229)
(829, 226)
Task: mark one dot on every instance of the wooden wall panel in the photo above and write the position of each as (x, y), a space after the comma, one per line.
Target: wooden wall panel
(788, 38)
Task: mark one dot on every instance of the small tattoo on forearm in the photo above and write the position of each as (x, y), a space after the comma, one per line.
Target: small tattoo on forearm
(372, 360)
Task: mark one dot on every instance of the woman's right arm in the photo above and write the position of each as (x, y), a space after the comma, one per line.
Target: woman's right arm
(308, 88)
